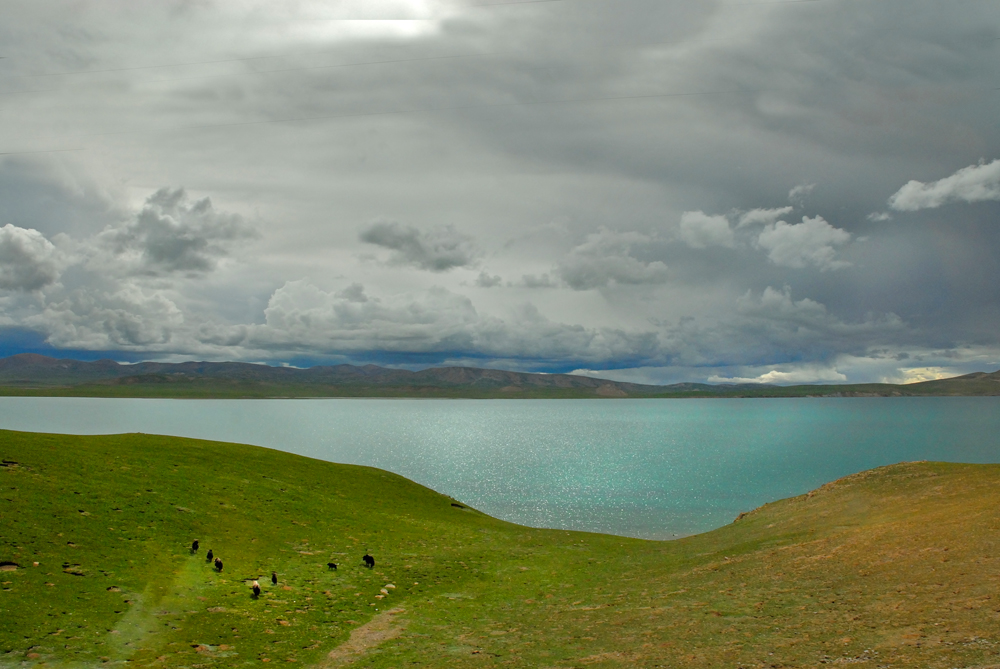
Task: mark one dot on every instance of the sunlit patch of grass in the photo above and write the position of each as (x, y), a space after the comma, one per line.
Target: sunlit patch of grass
(894, 567)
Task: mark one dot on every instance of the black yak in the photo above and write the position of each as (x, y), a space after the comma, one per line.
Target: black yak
(256, 589)
(332, 565)
(274, 578)
(194, 546)
(218, 564)
(208, 558)
(369, 561)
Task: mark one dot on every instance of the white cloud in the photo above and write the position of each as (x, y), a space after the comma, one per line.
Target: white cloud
(699, 230)
(28, 261)
(976, 183)
(812, 242)
(787, 375)
(798, 194)
(919, 374)
(879, 217)
(606, 258)
(763, 216)
(439, 250)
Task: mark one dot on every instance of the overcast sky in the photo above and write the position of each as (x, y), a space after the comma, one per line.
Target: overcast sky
(645, 190)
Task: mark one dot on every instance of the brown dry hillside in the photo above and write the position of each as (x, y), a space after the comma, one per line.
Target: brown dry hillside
(897, 567)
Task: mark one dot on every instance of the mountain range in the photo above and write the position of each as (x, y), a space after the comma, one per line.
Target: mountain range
(33, 374)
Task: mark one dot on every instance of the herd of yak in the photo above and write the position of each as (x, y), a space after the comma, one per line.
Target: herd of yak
(211, 557)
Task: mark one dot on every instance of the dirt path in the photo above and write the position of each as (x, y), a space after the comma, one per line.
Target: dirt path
(379, 629)
(149, 610)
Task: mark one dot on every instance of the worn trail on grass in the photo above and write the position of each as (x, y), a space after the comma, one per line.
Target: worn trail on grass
(378, 630)
(152, 610)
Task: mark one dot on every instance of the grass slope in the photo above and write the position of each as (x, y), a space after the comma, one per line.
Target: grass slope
(894, 567)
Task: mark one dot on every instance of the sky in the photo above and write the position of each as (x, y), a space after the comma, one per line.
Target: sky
(653, 191)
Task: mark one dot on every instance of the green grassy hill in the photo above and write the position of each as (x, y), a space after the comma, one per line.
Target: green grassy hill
(894, 567)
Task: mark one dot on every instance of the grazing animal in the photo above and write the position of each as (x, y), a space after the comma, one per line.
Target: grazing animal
(332, 565)
(274, 578)
(218, 564)
(256, 589)
(208, 558)
(194, 546)
(369, 561)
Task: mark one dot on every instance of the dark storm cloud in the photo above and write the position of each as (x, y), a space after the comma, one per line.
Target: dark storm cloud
(437, 250)
(680, 185)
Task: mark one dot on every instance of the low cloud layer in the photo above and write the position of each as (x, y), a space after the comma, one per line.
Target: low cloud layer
(300, 316)
(129, 318)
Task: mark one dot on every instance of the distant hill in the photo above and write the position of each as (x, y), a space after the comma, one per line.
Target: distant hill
(32, 374)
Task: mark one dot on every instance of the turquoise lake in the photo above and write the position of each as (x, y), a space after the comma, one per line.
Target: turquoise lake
(645, 468)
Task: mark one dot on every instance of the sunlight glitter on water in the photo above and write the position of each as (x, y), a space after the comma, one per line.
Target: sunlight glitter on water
(646, 468)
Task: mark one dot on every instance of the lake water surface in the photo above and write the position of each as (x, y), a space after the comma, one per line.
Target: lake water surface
(645, 468)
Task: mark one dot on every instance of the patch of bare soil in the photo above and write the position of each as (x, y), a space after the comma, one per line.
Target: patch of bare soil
(378, 630)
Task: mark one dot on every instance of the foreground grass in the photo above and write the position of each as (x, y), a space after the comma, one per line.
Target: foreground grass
(894, 567)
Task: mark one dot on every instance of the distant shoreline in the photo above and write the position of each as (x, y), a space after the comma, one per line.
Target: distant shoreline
(213, 392)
